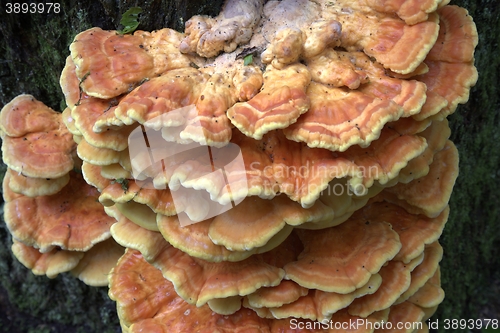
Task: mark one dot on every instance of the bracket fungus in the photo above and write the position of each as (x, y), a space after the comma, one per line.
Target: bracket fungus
(337, 111)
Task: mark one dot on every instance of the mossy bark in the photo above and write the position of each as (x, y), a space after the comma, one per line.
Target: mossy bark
(32, 54)
(470, 268)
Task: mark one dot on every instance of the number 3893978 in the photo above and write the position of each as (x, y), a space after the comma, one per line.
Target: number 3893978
(32, 8)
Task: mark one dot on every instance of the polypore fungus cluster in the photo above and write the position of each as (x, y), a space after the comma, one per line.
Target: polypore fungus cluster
(276, 167)
(53, 215)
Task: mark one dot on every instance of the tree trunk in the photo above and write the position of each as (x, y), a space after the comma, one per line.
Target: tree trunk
(32, 53)
(470, 269)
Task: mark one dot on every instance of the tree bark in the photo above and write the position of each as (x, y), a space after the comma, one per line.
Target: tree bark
(32, 55)
(470, 269)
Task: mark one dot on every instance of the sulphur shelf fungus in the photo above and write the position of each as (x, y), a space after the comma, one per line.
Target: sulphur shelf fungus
(54, 216)
(279, 165)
